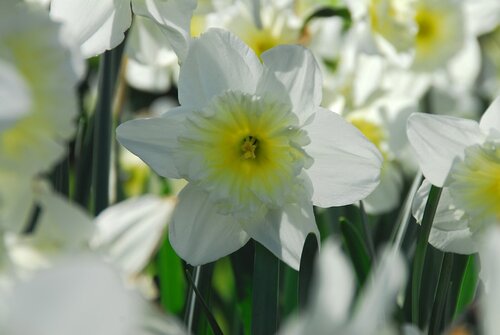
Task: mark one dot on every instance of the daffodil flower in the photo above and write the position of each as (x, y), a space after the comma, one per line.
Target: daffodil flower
(38, 93)
(421, 34)
(463, 157)
(38, 105)
(100, 25)
(256, 150)
(80, 295)
(332, 292)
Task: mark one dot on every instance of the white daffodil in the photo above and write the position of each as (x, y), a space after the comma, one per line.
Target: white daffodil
(129, 232)
(422, 34)
(255, 148)
(100, 25)
(80, 295)
(152, 65)
(354, 91)
(277, 25)
(331, 299)
(383, 122)
(463, 157)
(38, 93)
(126, 234)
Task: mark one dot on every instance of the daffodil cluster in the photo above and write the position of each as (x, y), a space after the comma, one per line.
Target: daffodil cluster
(249, 166)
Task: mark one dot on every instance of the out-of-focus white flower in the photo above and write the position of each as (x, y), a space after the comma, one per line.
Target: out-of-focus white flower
(251, 139)
(421, 34)
(99, 25)
(463, 157)
(483, 15)
(355, 91)
(278, 25)
(152, 65)
(128, 233)
(79, 295)
(38, 93)
(383, 123)
(332, 292)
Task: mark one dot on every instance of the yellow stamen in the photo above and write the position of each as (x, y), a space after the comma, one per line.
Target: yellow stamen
(249, 147)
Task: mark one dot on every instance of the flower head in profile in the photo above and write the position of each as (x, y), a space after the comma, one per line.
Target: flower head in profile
(463, 157)
(255, 147)
(38, 104)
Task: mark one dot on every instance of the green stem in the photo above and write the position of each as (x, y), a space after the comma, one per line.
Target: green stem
(210, 318)
(309, 252)
(110, 63)
(265, 292)
(366, 232)
(421, 249)
(405, 213)
(441, 293)
(201, 279)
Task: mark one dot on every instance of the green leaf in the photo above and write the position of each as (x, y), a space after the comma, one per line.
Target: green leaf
(290, 296)
(404, 215)
(171, 280)
(108, 71)
(357, 250)
(84, 160)
(420, 252)
(436, 322)
(199, 294)
(467, 286)
(204, 306)
(265, 291)
(307, 262)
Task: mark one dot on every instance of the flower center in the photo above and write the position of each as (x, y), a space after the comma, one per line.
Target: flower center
(475, 182)
(249, 147)
(245, 151)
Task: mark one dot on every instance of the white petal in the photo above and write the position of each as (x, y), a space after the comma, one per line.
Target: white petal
(14, 94)
(129, 232)
(460, 241)
(490, 274)
(450, 229)
(438, 140)
(490, 122)
(387, 195)
(297, 69)
(198, 233)
(216, 62)
(284, 231)
(156, 322)
(153, 140)
(98, 25)
(86, 297)
(154, 79)
(36, 141)
(16, 201)
(482, 15)
(379, 296)
(173, 16)
(333, 284)
(346, 165)
(62, 222)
